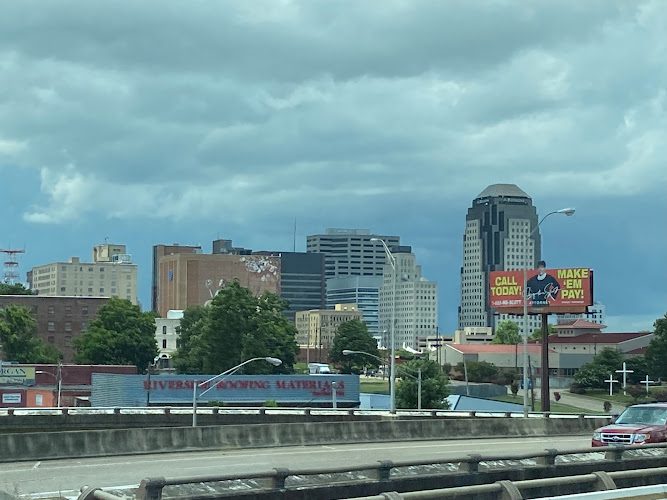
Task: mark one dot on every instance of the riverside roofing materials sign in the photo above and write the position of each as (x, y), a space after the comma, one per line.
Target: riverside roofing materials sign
(548, 290)
(130, 390)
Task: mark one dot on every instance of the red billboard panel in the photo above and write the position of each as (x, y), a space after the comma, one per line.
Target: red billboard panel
(548, 290)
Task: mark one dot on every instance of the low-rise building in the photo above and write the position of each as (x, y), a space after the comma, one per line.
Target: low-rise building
(36, 385)
(60, 320)
(166, 333)
(318, 327)
(474, 335)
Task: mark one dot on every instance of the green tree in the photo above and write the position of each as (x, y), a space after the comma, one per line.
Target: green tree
(593, 374)
(18, 336)
(656, 353)
(189, 355)
(120, 334)
(273, 336)
(434, 385)
(479, 371)
(507, 332)
(537, 333)
(639, 366)
(14, 289)
(353, 335)
(236, 326)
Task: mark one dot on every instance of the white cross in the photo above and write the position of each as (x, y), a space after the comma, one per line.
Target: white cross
(611, 383)
(646, 382)
(625, 372)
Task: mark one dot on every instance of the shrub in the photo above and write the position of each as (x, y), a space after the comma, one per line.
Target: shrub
(577, 389)
(660, 395)
(271, 403)
(635, 392)
(514, 387)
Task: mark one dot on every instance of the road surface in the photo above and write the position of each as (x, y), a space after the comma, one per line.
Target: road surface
(69, 475)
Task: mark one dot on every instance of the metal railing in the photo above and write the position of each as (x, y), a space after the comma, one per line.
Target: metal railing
(385, 471)
(180, 410)
(513, 490)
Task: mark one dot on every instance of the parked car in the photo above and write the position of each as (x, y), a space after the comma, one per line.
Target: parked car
(637, 425)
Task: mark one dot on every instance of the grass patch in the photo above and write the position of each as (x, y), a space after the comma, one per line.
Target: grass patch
(374, 386)
(619, 397)
(555, 407)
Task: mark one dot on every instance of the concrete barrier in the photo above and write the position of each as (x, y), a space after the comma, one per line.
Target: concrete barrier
(92, 443)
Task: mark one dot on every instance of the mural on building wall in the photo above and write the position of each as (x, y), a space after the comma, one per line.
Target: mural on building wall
(262, 268)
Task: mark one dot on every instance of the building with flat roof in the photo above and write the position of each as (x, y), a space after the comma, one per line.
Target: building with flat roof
(60, 320)
(595, 314)
(350, 252)
(111, 274)
(160, 251)
(416, 301)
(317, 328)
(497, 237)
(189, 279)
(364, 291)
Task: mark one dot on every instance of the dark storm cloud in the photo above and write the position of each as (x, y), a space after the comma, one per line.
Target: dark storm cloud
(389, 113)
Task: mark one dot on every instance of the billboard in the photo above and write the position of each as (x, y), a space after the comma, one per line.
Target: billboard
(130, 390)
(548, 290)
(17, 375)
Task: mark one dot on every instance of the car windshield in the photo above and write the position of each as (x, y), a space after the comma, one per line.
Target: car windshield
(643, 415)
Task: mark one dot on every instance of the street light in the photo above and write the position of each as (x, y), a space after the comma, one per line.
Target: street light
(231, 371)
(59, 380)
(418, 378)
(148, 376)
(392, 363)
(563, 211)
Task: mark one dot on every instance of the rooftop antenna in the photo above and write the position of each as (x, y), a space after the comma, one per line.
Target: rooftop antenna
(11, 265)
(294, 237)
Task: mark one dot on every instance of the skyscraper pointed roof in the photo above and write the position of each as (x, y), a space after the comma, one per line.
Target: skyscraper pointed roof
(495, 190)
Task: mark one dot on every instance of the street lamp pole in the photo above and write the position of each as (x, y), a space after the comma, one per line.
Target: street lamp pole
(564, 211)
(231, 371)
(392, 332)
(59, 381)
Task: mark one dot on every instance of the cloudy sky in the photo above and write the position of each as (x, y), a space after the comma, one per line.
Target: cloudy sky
(161, 121)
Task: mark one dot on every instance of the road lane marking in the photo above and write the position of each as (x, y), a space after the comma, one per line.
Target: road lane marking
(36, 465)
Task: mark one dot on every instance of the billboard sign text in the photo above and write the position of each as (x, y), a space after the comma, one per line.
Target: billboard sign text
(548, 290)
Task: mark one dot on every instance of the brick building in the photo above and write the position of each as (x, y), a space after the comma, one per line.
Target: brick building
(59, 319)
(36, 385)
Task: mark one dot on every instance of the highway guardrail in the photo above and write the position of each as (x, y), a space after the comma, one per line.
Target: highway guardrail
(561, 470)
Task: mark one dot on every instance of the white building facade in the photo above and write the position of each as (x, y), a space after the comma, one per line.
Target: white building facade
(416, 301)
(166, 333)
(596, 314)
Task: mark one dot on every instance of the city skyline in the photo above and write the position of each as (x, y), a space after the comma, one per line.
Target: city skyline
(339, 117)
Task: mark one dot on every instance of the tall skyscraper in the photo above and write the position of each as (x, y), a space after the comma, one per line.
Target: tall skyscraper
(415, 302)
(350, 252)
(158, 252)
(497, 238)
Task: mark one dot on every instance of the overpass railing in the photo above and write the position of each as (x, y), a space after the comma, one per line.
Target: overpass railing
(515, 490)
(180, 410)
(386, 471)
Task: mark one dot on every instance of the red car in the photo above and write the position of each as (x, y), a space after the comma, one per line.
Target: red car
(637, 425)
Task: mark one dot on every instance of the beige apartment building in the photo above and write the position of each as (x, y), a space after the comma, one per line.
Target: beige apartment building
(317, 327)
(110, 274)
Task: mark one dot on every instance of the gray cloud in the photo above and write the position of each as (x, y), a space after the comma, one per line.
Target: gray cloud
(330, 111)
